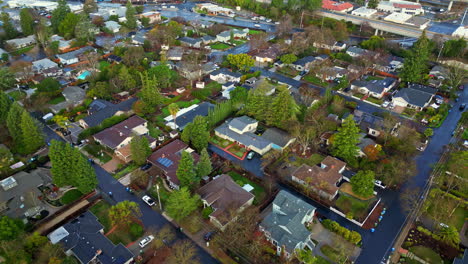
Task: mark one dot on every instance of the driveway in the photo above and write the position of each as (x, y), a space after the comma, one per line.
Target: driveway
(253, 166)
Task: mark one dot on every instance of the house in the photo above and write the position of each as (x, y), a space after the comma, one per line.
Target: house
(268, 55)
(187, 115)
(337, 46)
(19, 43)
(224, 75)
(279, 138)
(390, 64)
(337, 6)
(241, 130)
(400, 6)
(201, 23)
(167, 160)
(364, 12)
(364, 141)
(99, 110)
(74, 96)
(331, 73)
(139, 38)
(63, 44)
(304, 63)
(208, 39)
(369, 123)
(323, 179)
(439, 72)
(152, 16)
(224, 36)
(73, 56)
(19, 193)
(113, 26)
(408, 19)
(227, 88)
(355, 52)
(175, 54)
(285, 225)
(120, 135)
(213, 9)
(226, 198)
(374, 88)
(46, 67)
(415, 96)
(191, 42)
(84, 238)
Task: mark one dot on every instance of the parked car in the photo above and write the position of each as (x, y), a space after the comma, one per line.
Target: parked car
(462, 107)
(148, 200)
(268, 20)
(385, 104)
(145, 241)
(380, 184)
(203, 15)
(250, 155)
(257, 25)
(146, 166)
(208, 236)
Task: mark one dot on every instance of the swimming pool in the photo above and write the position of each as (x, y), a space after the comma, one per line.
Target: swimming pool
(83, 75)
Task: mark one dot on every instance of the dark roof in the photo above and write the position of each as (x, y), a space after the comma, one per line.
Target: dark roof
(376, 86)
(115, 58)
(305, 60)
(277, 136)
(191, 41)
(366, 120)
(416, 94)
(241, 122)
(201, 110)
(226, 72)
(73, 54)
(116, 134)
(83, 237)
(102, 110)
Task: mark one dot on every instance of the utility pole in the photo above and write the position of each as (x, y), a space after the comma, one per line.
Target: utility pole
(463, 19)
(159, 198)
(440, 51)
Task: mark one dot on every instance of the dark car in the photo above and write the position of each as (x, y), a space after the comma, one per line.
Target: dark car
(208, 236)
(203, 15)
(462, 107)
(146, 166)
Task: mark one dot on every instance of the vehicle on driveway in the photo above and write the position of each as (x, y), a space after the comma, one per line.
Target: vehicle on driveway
(385, 104)
(380, 184)
(462, 107)
(148, 200)
(250, 155)
(208, 236)
(146, 166)
(145, 241)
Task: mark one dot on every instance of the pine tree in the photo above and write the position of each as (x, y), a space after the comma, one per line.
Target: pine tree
(14, 127)
(199, 133)
(130, 16)
(26, 21)
(204, 165)
(84, 175)
(8, 28)
(150, 94)
(62, 165)
(140, 149)
(283, 108)
(32, 136)
(416, 63)
(180, 204)
(344, 143)
(5, 104)
(59, 14)
(186, 170)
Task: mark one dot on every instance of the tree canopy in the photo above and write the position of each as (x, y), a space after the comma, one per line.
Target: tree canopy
(130, 16)
(186, 170)
(416, 63)
(8, 28)
(26, 21)
(196, 133)
(59, 14)
(344, 143)
(140, 149)
(204, 167)
(242, 62)
(363, 183)
(7, 79)
(10, 228)
(124, 213)
(181, 203)
(31, 134)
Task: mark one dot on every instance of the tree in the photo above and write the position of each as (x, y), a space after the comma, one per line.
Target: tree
(373, 43)
(180, 204)
(428, 132)
(196, 133)
(241, 61)
(49, 85)
(140, 149)
(345, 142)
(363, 183)
(183, 252)
(6, 158)
(173, 110)
(163, 74)
(26, 21)
(305, 256)
(8, 28)
(34, 241)
(10, 228)
(31, 134)
(84, 29)
(258, 41)
(5, 104)
(90, 6)
(409, 198)
(373, 4)
(456, 75)
(133, 56)
(288, 58)
(285, 27)
(186, 170)
(416, 62)
(123, 213)
(130, 16)
(67, 27)
(164, 236)
(372, 151)
(139, 178)
(450, 235)
(7, 79)
(454, 48)
(283, 108)
(59, 14)
(42, 31)
(14, 127)
(204, 164)
(83, 172)
(150, 94)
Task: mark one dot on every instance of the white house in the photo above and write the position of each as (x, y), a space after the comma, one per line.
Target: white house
(223, 75)
(364, 12)
(400, 6)
(19, 43)
(113, 26)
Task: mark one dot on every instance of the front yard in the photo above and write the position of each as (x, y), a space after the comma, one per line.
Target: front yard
(60, 98)
(426, 254)
(353, 207)
(315, 80)
(220, 46)
(71, 196)
(446, 207)
(289, 71)
(237, 150)
(258, 190)
(220, 142)
(98, 151)
(17, 95)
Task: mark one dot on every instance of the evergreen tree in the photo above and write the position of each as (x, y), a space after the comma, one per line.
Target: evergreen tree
(130, 16)
(373, 4)
(10, 228)
(59, 14)
(199, 133)
(7, 79)
(363, 183)
(204, 164)
(14, 127)
(83, 173)
(416, 63)
(344, 143)
(90, 6)
(84, 29)
(5, 104)
(150, 94)
(181, 204)
(43, 32)
(8, 28)
(62, 165)
(283, 108)
(31, 133)
(68, 24)
(140, 149)
(186, 170)
(26, 21)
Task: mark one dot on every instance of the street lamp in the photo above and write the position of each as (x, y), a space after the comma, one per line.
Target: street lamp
(159, 198)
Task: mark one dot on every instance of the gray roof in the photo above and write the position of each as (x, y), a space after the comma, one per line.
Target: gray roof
(21, 41)
(43, 64)
(74, 94)
(304, 61)
(376, 86)
(73, 54)
(285, 222)
(277, 136)
(241, 122)
(208, 38)
(225, 34)
(246, 139)
(201, 110)
(357, 50)
(191, 41)
(416, 94)
(101, 110)
(226, 72)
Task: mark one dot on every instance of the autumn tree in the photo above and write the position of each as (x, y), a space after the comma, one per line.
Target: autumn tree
(344, 143)
(164, 236)
(372, 151)
(242, 62)
(140, 149)
(124, 213)
(363, 183)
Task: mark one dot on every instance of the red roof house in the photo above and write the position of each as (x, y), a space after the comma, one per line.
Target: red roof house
(337, 6)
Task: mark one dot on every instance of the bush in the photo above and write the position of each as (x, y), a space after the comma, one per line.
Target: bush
(351, 104)
(352, 236)
(136, 231)
(206, 212)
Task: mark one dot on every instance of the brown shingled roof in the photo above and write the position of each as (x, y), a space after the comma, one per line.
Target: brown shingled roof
(115, 135)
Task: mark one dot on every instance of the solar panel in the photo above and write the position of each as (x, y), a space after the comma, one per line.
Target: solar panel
(165, 162)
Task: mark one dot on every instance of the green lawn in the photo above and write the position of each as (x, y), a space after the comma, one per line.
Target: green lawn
(457, 219)
(313, 160)
(220, 46)
(238, 42)
(126, 170)
(254, 32)
(219, 141)
(314, 80)
(181, 104)
(163, 193)
(237, 150)
(359, 95)
(71, 196)
(215, 87)
(57, 100)
(374, 100)
(372, 78)
(98, 152)
(331, 253)
(17, 95)
(100, 210)
(21, 51)
(258, 190)
(103, 65)
(348, 204)
(427, 254)
(288, 71)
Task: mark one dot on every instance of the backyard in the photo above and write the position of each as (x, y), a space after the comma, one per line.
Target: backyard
(333, 254)
(97, 151)
(71, 196)
(426, 254)
(60, 98)
(17, 95)
(315, 80)
(220, 46)
(354, 207)
(452, 212)
(258, 190)
(254, 32)
(221, 142)
(181, 104)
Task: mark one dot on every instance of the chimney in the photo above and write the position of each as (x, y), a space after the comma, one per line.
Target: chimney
(98, 252)
(310, 170)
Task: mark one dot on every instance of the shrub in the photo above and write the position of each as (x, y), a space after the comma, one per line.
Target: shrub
(351, 236)
(206, 212)
(136, 231)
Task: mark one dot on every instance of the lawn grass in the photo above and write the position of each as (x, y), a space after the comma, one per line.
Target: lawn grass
(220, 46)
(372, 78)
(17, 95)
(258, 190)
(315, 80)
(457, 219)
(254, 32)
(331, 253)
(100, 210)
(181, 104)
(427, 254)
(289, 71)
(103, 65)
(98, 152)
(163, 193)
(356, 207)
(57, 100)
(215, 87)
(126, 170)
(313, 160)
(123, 235)
(71, 196)
(221, 142)
(21, 51)
(238, 42)
(359, 95)
(237, 150)
(374, 100)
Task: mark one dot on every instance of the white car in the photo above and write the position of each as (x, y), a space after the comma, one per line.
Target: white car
(145, 241)
(257, 25)
(148, 200)
(385, 104)
(277, 23)
(379, 184)
(268, 20)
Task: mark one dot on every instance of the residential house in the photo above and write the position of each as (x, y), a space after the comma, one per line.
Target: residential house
(73, 57)
(46, 67)
(439, 72)
(113, 26)
(167, 160)
(186, 115)
(191, 42)
(331, 73)
(374, 88)
(19, 193)
(226, 198)
(337, 6)
(408, 19)
(120, 135)
(369, 123)
(285, 225)
(99, 110)
(364, 12)
(355, 52)
(169, 64)
(208, 39)
(224, 75)
(19, 43)
(336, 46)
(63, 44)
(323, 179)
(152, 16)
(269, 55)
(74, 96)
(415, 96)
(84, 238)
(304, 63)
(175, 54)
(139, 38)
(400, 6)
(227, 88)
(213, 9)
(224, 36)
(241, 130)
(279, 138)
(114, 58)
(201, 23)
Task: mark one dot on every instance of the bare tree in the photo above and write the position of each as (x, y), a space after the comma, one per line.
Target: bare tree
(409, 198)
(258, 41)
(285, 27)
(456, 75)
(22, 69)
(183, 252)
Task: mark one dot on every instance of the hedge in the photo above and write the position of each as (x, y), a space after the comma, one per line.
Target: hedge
(105, 124)
(352, 236)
